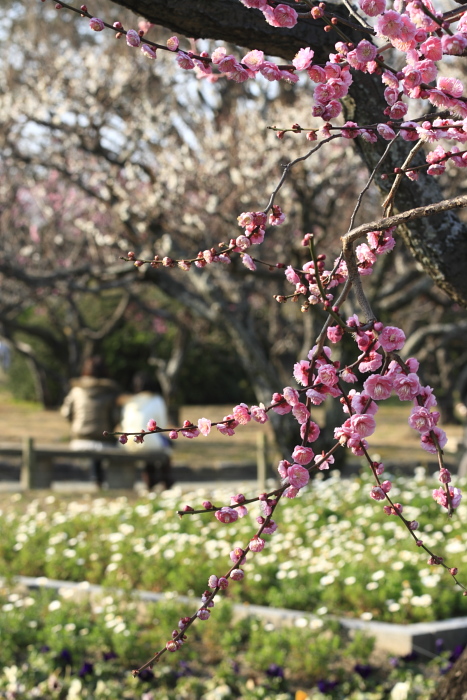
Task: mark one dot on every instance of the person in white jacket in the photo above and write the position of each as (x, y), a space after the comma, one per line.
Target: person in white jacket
(147, 403)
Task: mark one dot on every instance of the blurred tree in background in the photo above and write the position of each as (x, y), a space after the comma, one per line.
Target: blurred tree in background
(102, 156)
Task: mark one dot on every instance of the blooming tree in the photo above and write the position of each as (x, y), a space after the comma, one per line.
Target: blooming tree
(376, 74)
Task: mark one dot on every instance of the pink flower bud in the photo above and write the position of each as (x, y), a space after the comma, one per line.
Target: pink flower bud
(237, 555)
(453, 571)
(444, 476)
(223, 583)
(237, 574)
(226, 515)
(133, 38)
(152, 425)
(173, 435)
(203, 614)
(182, 623)
(172, 645)
(377, 494)
(123, 439)
(213, 581)
(257, 544)
(414, 525)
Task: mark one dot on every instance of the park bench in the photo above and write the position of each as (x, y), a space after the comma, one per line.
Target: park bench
(38, 465)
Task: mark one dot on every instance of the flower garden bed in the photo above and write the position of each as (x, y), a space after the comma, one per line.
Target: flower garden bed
(334, 552)
(58, 646)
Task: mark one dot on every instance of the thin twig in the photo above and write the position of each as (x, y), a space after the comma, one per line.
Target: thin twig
(291, 164)
(370, 180)
(389, 201)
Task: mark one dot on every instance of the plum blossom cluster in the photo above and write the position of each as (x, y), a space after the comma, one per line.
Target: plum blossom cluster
(254, 225)
(420, 33)
(415, 29)
(313, 278)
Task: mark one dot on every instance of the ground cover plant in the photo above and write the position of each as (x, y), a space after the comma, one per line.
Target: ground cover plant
(64, 646)
(344, 558)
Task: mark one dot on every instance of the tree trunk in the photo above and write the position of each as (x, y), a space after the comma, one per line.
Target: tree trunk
(438, 243)
(453, 686)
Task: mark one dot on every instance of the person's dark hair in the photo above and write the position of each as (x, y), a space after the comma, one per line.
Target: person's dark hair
(94, 367)
(143, 381)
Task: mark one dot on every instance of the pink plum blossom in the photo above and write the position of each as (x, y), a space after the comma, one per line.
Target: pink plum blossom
(226, 515)
(313, 431)
(280, 405)
(303, 59)
(237, 574)
(96, 24)
(422, 420)
(227, 428)
(335, 333)
(406, 386)
(389, 24)
(300, 372)
(148, 51)
(365, 51)
(248, 262)
(372, 8)
(327, 374)
(254, 59)
(432, 48)
(363, 424)
(317, 74)
(454, 45)
(270, 71)
(257, 544)
(276, 216)
(392, 338)
(377, 494)
(326, 464)
(428, 443)
(298, 476)
(291, 275)
(444, 476)
(258, 413)
(184, 61)
(241, 414)
(204, 426)
(303, 455)
(440, 497)
(291, 395)
(172, 43)
(300, 412)
(378, 386)
(281, 16)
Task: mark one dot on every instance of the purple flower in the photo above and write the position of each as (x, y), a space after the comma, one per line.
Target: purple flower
(86, 669)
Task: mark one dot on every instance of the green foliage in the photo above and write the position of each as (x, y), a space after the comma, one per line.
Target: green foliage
(63, 645)
(339, 554)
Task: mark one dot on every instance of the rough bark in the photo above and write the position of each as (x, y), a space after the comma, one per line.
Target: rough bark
(453, 686)
(439, 243)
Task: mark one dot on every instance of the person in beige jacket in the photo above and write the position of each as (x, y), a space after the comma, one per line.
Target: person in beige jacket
(91, 407)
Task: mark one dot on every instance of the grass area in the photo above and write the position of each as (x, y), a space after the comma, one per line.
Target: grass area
(393, 439)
